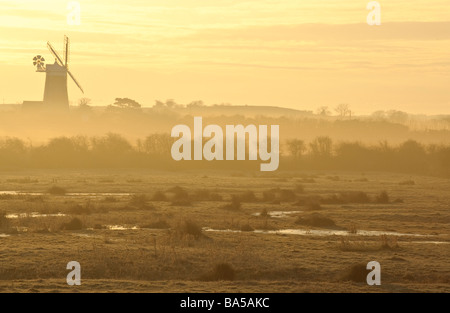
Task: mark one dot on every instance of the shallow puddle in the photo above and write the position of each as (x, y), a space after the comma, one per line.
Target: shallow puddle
(70, 194)
(432, 242)
(318, 232)
(120, 227)
(33, 215)
(278, 214)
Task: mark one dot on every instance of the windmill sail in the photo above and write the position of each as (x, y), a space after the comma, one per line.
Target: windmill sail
(66, 51)
(64, 63)
(75, 81)
(55, 54)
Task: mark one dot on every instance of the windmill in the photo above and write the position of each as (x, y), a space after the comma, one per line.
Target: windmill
(55, 93)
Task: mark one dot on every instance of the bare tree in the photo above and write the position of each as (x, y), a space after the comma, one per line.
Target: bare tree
(323, 111)
(296, 147)
(343, 110)
(84, 102)
(321, 146)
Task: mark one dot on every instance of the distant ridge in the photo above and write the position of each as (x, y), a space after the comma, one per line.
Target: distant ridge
(244, 110)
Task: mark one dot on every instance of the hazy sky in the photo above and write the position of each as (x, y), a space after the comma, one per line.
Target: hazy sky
(294, 53)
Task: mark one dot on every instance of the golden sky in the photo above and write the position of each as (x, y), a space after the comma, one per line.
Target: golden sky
(293, 53)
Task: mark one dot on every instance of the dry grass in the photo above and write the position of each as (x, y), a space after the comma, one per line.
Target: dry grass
(171, 247)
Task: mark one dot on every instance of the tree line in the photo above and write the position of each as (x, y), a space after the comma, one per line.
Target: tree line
(153, 151)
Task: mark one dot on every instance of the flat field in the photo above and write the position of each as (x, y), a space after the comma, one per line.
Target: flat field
(150, 231)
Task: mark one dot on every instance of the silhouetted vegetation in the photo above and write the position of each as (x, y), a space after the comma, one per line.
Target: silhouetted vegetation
(113, 150)
(221, 271)
(315, 220)
(356, 273)
(190, 228)
(346, 197)
(57, 191)
(73, 224)
(383, 198)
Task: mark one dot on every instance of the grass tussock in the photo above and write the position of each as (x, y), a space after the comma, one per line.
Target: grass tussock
(220, 272)
(356, 273)
(73, 224)
(56, 191)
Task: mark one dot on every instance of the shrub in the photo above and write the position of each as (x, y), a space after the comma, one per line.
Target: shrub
(383, 197)
(74, 224)
(356, 273)
(179, 193)
(315, 220)
(57, 191)
(190, 228)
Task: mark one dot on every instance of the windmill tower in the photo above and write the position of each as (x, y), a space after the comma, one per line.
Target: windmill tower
(55, 93)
